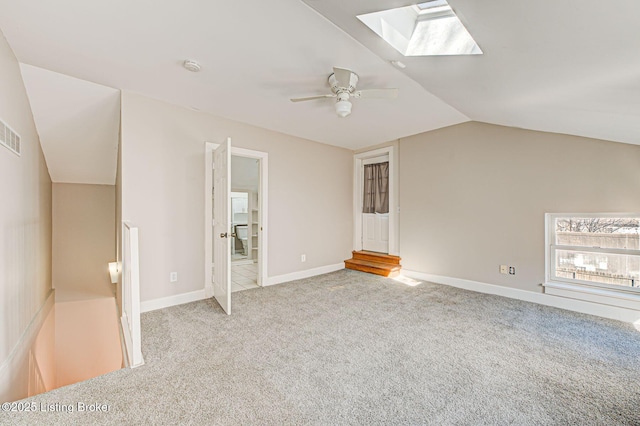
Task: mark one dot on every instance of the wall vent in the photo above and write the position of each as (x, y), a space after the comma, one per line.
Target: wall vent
(9, 138)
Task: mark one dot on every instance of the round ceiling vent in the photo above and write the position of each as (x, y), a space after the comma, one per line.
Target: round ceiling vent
(192, 66)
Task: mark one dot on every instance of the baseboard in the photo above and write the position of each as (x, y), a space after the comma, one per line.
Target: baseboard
(178, 299)
(605, 311)
(207, 292)
(13, 378)
(279, 279)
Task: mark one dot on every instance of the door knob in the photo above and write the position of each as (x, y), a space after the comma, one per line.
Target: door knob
(223, 235)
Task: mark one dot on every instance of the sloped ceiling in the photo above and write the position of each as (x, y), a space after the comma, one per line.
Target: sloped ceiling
(255, 56)
(571, 67)
(566, 67)
(78, 124)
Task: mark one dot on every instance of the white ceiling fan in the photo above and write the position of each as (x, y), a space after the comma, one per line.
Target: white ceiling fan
(343, 84)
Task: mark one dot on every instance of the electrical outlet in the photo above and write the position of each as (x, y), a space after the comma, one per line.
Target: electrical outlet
(504, 269)
(173, 277)
(303, 258)
(512, 270)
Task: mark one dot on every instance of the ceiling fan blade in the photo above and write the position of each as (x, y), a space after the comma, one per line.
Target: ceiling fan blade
(310, 98)
(343, 76)
(376, 93)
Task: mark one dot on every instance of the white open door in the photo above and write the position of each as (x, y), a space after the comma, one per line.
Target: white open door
(222, 225)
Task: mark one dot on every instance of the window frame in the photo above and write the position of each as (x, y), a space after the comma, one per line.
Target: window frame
(583, 286)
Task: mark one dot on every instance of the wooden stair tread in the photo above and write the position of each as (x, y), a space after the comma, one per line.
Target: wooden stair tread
(387, 266)
(376, 257)
(373, 264)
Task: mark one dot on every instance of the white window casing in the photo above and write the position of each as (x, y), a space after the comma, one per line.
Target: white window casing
(558, 282)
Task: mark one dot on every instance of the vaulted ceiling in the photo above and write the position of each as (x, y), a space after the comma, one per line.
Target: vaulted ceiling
(569, 67)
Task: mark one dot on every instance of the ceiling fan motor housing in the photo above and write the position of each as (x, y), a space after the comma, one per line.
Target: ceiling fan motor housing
(336, 86)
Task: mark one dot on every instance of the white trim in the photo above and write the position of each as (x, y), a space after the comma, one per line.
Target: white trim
(307, 273)
(125, 327)
(358, 160)
(375, 160)
(208, 290)
(594, 294)
(548, 237)
(585, 307)
(10, 368)
(606, 294)
(263, 210)
(176, 299)
(596, 214)
(627, 252)
(130, 319)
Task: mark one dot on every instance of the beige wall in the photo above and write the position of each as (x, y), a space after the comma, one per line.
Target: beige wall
(84, 240)
(87, 340)
(473, 196)
(25, 229)
(310, 186)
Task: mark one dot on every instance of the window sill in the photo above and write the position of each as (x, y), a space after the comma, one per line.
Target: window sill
(621, 299)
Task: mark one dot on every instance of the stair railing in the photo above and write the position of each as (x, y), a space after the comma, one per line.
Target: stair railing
(131, 295)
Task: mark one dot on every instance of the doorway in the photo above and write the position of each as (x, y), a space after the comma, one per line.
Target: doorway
(375, 210)
(245, 220)
(376, 230)
(246, 257)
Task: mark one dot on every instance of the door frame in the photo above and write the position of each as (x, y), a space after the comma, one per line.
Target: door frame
(263, 256)
(358, 188)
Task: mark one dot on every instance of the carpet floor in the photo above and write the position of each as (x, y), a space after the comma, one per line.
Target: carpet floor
(349, 348)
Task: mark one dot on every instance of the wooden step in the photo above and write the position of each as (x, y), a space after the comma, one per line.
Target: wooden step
(384, 269)
(372, 256)
(374, 263)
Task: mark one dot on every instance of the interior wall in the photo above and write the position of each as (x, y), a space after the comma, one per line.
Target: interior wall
(310, 190)
(84, 242)
(473, 196)
(25, 230)
(87, 348)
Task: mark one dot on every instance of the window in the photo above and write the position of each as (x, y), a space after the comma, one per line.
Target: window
(425, 29)
(594, 250)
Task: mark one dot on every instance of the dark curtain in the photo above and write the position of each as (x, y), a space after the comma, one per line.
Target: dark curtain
(376, 188)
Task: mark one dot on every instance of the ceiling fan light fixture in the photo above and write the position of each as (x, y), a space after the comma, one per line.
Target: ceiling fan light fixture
(343, 108)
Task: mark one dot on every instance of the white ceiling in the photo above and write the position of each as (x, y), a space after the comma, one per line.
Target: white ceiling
(571, 67)
(78, 124)
(558, 66)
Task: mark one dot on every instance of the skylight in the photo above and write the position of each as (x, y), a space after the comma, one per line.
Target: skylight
(424, 29)
(431, 4)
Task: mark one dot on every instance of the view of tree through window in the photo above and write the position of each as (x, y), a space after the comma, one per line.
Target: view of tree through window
(597, 225)
(602, 250)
